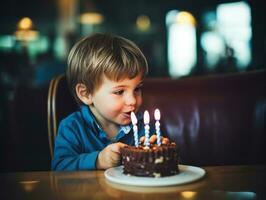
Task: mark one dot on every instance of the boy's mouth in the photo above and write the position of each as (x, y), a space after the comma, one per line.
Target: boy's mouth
(127, 114)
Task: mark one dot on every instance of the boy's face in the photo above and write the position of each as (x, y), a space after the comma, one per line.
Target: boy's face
(113, 101)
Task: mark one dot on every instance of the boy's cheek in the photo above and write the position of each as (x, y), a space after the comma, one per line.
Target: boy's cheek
(140, 100)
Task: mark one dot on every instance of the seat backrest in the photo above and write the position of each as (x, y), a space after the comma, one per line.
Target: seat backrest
(215, 120)
(60, 103)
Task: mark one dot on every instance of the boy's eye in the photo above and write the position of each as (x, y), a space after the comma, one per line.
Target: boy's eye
(119, 92)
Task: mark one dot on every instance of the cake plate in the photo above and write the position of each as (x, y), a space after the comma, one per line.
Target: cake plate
(187, 174)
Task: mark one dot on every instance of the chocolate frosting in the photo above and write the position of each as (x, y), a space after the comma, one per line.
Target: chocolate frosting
(152, 161)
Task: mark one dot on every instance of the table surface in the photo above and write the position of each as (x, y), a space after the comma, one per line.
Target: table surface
(220, 182)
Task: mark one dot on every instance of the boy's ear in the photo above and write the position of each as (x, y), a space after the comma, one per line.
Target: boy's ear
(83, 95)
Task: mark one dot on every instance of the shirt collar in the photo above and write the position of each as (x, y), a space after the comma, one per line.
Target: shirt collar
(126, 129)
(89, 117)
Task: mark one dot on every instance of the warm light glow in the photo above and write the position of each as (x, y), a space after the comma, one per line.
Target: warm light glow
(91, 18)
(25, 30)
(184, 17)
(143, 23)
(133, 118)
(25, 23)
(29, 186)
(188, 194)
(146, 117)
(157, 114)
(26, 35)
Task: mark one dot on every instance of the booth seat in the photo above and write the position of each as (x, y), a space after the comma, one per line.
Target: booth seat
(215, 120)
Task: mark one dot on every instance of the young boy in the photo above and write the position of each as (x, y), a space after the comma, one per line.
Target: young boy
(105, 75)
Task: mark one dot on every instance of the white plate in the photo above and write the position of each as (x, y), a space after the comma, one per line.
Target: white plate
(187, 174)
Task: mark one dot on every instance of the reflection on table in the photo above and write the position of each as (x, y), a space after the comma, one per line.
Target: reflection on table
(220, 182)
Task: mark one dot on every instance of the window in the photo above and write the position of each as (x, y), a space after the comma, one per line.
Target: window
(181, 42)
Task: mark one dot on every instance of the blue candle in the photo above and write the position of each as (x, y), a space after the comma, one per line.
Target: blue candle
(157, 116)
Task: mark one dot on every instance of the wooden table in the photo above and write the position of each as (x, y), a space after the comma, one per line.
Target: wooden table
(220, 182)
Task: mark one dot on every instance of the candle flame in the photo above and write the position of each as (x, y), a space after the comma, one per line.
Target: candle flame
(157, 114)
(133, 118)
(146, 117)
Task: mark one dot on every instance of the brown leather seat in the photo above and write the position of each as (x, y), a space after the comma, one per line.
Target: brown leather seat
(215, 120)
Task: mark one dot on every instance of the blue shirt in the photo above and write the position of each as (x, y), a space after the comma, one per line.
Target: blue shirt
(80, 139)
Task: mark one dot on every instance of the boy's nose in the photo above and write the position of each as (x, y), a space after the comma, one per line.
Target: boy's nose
(130, 100)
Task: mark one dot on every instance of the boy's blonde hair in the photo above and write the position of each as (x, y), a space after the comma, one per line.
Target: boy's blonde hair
(102, 54)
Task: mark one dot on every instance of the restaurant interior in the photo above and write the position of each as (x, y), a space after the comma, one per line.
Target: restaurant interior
(35, 38)
(210, 52)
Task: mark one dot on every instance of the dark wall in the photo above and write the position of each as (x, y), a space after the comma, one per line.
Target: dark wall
(24, 138)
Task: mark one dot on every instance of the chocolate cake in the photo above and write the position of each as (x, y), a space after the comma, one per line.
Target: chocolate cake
(152, 161)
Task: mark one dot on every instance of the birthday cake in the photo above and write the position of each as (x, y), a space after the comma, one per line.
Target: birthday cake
(151, 161)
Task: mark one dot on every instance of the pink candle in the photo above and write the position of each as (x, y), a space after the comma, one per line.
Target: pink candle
(147, 128)
(135, 128)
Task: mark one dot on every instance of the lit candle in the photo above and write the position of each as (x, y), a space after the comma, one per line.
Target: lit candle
(157, 116)
(147, 128)
(135, 128)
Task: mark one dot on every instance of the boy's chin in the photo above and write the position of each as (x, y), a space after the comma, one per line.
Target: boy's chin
(124, 122)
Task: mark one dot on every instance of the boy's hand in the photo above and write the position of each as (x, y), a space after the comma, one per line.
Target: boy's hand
(153, 139)
(109, 156)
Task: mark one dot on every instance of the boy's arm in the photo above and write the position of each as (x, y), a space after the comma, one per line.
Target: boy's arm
(110, 156)
(68, 154)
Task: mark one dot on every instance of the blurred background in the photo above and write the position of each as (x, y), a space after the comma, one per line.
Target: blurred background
(179, 39)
